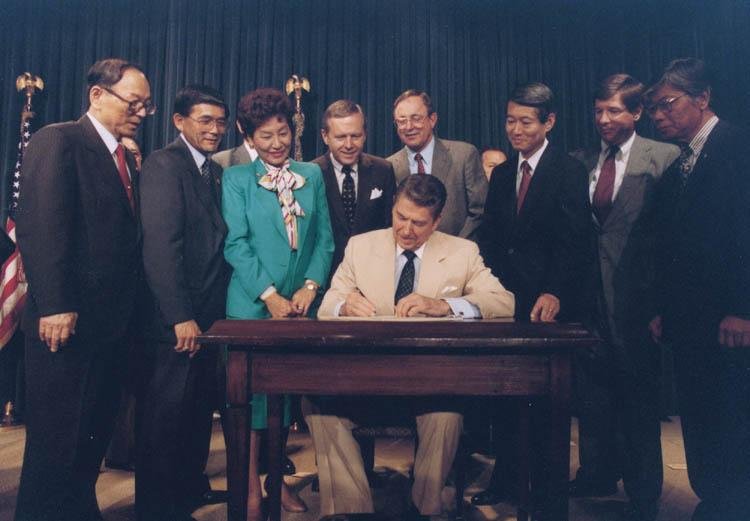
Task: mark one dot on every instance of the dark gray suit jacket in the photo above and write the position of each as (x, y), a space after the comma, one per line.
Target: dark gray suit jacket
(183, 241)
(375, 187)
(233, 156)
(458, 166)
(624, 243)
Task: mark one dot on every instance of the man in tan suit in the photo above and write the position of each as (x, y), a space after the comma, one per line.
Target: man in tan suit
(407, 270)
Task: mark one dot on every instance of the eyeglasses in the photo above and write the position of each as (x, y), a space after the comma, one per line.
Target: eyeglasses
(417, 120)
(134, 106)
(664, 105)
(209, 122)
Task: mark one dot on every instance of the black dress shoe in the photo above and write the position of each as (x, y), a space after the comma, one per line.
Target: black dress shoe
(209, 497)
(591, 488)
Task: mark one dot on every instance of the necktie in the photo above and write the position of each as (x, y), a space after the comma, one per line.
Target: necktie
(406, 280)
(525, 180)
(684, 162)
(420, 163)
(605, 186)
(347, 195)
(122, 169)
(206, 171)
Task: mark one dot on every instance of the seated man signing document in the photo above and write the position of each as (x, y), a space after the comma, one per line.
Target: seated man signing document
(412, 270)
(408, 270)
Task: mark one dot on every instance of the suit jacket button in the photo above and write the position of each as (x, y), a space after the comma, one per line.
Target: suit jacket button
(511, 251)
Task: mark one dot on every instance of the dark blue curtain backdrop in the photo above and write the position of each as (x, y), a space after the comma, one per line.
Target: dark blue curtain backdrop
(468, 54)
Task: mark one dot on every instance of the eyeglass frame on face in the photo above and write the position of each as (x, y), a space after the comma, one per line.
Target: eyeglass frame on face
(208, 122)
(416, 120)
(664, 105)
(134, 106)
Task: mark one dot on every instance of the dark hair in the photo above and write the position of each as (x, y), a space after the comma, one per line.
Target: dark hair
(419, 94)
(108, 71)
(689, 75)
(536, 95)
(191, 95)
(257, 106)
(341, 109)
(630, 89)
(423, 190)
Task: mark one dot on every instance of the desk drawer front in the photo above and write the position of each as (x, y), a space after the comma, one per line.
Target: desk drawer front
(401, 374)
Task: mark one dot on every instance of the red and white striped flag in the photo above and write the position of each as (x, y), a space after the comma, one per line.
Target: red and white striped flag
(14, 286)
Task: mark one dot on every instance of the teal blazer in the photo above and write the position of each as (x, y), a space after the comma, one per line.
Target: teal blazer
(257, 246)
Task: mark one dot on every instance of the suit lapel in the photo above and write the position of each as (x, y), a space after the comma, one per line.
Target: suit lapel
(336, 207)
(631, 188)
(364, 188)
(105, 161)
(269, 201)
(538, 180)
(430, 272)
(240, 156)
(441, 161)
(384, 285)
(205, 194)
(401, 165)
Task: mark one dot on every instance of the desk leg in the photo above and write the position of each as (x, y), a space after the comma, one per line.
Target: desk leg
(238, 439)
(559, 439)
(274, 456)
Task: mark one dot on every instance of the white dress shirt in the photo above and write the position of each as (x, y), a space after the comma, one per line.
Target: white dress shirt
(532, 161)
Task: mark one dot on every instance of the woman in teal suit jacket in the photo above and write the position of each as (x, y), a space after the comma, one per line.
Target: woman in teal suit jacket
(279, 239)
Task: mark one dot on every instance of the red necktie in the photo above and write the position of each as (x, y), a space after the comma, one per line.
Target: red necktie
(525, 180)
(605, 187)
(420, 164)
(122, 169)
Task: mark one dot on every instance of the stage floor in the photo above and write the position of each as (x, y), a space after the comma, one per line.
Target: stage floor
(115, 488)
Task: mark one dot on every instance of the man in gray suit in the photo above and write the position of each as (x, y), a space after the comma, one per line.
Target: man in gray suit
(619, 386)
(245, 153)
(455, 163)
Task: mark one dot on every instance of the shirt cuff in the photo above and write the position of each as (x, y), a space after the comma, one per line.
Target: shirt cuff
(463, 308)
(270, 290)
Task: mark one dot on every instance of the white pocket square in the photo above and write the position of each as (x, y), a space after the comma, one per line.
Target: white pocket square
(448, 289)
(376, 192)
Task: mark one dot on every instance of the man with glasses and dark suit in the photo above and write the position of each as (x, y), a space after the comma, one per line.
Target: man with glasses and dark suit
(702, 285)
(183, 256)
(78, 233)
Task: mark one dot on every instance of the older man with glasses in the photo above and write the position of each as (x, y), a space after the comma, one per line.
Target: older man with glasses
(702, 304)
(77, 227)
(455, 163)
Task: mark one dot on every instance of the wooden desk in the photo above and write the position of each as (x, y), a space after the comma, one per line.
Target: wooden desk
(302, 356)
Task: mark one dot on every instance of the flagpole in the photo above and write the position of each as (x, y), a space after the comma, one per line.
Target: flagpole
(14, 286)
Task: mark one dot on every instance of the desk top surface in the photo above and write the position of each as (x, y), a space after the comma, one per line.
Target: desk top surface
(478, 334)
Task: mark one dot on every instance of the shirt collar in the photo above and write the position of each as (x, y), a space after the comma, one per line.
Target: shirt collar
(535, 157)
(418, 252)
(338, 166)
(624, 147)
(110, 141)
(250, 151)
(426, 153)
(198, 157)
(697, 143)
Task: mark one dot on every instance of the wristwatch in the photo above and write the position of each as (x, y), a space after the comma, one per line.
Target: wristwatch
(311, 286)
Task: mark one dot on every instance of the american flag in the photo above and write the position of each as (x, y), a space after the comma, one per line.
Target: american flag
(13, 292)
